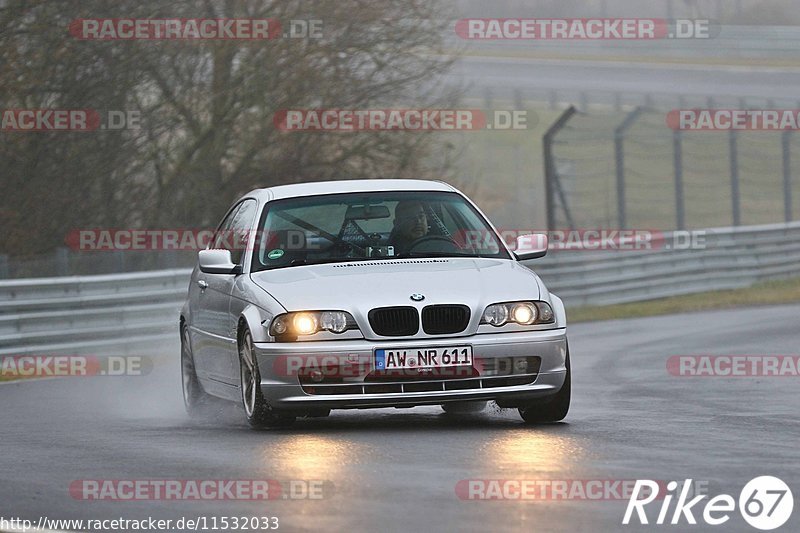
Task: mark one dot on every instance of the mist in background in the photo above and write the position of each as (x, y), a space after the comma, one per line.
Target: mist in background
(205, 133)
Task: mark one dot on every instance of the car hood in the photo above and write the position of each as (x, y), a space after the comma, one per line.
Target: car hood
(360, 286)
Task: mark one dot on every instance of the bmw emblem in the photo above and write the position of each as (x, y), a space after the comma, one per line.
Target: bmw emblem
(417, 297)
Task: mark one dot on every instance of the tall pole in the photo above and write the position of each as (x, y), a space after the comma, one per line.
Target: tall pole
(550, 176)
(680, 215)
(619, 152)
(735, 196)
(786, 139)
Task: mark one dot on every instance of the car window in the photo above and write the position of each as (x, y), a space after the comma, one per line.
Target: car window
(240, 228)
(223, 230)
(446, 216)
(234, 230)
(359, 226)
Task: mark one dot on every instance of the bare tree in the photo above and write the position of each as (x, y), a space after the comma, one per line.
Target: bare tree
(206, 130)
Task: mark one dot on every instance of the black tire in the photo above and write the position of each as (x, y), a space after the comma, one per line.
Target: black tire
(256, 408)
(553, 408)
(463, 408)
(195, 399)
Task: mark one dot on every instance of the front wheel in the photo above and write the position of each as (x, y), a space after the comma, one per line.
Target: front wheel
(553, 408)
(258, 411)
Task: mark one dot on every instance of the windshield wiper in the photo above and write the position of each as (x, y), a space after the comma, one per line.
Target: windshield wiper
(408, 255)
(306, 262)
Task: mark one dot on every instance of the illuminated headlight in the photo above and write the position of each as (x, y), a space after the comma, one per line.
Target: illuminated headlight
(305, 323)
(523, 313)
(311, 322)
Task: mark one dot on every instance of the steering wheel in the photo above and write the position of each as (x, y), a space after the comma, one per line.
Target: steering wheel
(434, 238)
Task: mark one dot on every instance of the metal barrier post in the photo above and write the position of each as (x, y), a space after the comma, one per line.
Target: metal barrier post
(61, 256)
(549, 164)
(619, 152)
(735, 197)
(677, 146)
(786, 141)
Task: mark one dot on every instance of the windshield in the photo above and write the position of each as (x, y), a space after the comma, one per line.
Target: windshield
(361, 226)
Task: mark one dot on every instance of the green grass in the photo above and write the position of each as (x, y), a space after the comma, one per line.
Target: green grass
(764, 293)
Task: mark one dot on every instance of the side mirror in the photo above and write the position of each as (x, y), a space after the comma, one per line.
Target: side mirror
(531, 246)
(217, 262)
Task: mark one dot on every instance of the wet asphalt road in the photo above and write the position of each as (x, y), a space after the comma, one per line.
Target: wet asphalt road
(397, 470)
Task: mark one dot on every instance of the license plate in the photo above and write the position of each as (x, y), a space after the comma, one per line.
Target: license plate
(404, 358)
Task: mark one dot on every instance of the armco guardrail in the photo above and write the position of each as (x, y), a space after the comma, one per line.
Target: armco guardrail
(730, 258)
(128, 313)
(120, 313)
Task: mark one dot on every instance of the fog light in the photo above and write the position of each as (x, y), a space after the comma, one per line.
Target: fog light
(316, 376)
(521, 365)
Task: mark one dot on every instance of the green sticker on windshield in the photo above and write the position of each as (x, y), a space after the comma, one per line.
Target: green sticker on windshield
(275, 254)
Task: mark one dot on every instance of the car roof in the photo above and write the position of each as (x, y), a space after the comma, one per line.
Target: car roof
(295, 190)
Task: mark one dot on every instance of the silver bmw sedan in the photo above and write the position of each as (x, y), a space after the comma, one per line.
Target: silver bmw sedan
(370, 293)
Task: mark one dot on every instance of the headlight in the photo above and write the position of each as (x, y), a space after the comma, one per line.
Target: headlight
(496, 314)
(523, 313)
(310, 322)
(333, 321)
(305, 323)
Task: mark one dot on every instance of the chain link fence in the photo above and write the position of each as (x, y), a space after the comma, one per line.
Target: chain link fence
(615, 163)
(629, 169)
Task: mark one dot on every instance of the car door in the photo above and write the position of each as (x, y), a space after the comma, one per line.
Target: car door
(211, 336)
(239, 243)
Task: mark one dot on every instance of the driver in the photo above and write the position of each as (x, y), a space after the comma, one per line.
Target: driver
(410, 225)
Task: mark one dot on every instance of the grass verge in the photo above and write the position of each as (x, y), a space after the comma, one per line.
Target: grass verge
(764, 293)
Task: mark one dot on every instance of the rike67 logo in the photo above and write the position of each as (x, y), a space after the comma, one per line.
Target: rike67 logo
(765, 503)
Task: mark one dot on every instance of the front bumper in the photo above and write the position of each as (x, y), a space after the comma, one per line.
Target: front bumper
(279, 364)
